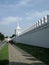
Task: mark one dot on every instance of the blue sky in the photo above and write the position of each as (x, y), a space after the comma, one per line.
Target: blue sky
(26, 12)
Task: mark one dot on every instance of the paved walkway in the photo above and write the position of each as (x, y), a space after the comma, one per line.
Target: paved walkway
(18, 57)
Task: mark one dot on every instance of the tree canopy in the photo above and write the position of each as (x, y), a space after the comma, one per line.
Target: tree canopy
(12, 36)
(1, 36)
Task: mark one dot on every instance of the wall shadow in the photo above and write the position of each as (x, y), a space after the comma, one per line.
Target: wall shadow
(4, 62)
(29, 57)
(17, 63)
(20, 63)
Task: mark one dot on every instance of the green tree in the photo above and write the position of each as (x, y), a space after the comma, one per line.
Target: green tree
(1, 36)
(12, 36)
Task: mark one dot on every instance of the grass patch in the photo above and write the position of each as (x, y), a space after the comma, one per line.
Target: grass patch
(4, 55)
(38, 52)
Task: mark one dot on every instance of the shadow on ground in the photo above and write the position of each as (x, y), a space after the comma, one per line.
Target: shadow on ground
(19, 63)
(28, 57)
(35, 61)
(4, 62)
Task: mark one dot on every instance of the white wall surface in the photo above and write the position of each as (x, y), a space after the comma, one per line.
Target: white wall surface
(37, 37)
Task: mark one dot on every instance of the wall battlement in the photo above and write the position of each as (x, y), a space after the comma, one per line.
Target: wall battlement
(39, 24)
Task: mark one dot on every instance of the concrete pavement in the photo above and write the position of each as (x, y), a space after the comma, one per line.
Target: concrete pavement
(19, 57)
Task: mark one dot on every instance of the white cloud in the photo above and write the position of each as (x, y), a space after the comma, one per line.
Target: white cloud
(20, 3)
(30, 16)
(36, 14)
(10, 19)
(23, 2)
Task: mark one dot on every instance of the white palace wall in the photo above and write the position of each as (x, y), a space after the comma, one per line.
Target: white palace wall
(37, 35)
